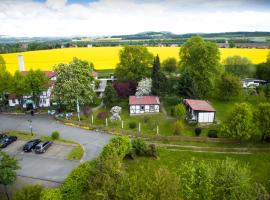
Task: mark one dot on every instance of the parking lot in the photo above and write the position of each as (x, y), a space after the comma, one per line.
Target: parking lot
(57, 151)
(49, 166)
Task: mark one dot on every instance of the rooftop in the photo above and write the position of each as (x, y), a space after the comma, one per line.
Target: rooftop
(143, 100)
(49, 74)
(199, 105)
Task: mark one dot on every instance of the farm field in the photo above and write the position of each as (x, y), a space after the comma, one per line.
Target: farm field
(107, 57)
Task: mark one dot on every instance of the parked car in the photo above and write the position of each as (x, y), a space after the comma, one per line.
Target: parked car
(43, 146)
(5, 141)
(2, 136)
(29, 146)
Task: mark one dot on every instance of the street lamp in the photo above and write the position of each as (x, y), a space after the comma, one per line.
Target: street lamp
(30, 126)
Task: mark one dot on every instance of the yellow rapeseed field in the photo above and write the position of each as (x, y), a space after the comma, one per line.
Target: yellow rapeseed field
(107, 57)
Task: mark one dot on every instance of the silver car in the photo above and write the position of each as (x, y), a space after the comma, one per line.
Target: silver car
(43, 146)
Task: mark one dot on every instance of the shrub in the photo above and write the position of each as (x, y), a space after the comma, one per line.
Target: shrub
(119, 145)
(180, 111)
(212, 133)
(146, 119)
(198, 131)
(178, 127)
(87, 111)
(102, 115)
(77, 181)
(30, 192)
(152, 151)
(51, 194)
(132, 125)
(140, 147)
(55, 135)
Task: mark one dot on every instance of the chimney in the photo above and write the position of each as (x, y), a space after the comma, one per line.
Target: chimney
(21, 62)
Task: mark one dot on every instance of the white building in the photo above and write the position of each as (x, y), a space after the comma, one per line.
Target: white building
(13, 101)
(143, 104)
(199, 111)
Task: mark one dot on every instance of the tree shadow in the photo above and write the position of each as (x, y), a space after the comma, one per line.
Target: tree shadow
(2, 63)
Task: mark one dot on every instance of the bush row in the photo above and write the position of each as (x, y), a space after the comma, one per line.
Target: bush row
(77, 181)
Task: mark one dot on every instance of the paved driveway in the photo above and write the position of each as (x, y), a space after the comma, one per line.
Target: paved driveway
(92, 141)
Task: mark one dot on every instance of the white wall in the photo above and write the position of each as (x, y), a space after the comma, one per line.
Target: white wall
(13, 102)
(206, 117)
(137, 109)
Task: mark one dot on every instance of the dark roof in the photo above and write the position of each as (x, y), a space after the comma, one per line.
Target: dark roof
(143, 100)
(199, 105)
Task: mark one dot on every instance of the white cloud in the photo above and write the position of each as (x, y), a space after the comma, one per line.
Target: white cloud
(56, 4)
(107, 17)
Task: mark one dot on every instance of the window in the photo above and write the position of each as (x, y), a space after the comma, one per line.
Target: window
(152, 108)
(13, 101)
(142, 108)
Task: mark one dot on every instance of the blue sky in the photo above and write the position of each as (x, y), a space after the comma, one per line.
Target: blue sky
(113, 17)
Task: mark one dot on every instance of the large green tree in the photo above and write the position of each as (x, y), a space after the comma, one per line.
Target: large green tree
(188, 87)
(110, 97)
(262, 118)
(158, 78)
(229, 86)
(8, 167)
(5, 80)
(74, 82)
(134, 64)
(36, 82)
(18, 85)
(239, 66)
(200, 59)
(239, 123)
(263, 71)
(169, 65)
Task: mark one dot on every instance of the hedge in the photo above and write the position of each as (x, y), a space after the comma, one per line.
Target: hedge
(77, 181)
(51, 194)
(119, 145)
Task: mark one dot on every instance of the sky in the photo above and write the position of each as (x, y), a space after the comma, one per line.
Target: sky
(61, 18)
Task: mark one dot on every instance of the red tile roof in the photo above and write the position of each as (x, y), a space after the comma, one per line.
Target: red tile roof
(50, 74)
(143, 100)
(199, 105)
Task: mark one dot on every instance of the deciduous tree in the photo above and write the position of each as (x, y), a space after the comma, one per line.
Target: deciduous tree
(239, 66)
(262, 118)
(8, 166)
(110, 96)
(18, 85)
(239, 123)
(74, 82)
(36, 82)
(144, 87)
(134, 64)
(229, 86)
(200, 59)
(169, 65)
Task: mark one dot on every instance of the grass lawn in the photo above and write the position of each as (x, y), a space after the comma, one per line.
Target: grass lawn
(258, 162)
(76, 153)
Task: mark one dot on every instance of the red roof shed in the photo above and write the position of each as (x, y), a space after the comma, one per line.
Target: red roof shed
(199, 105)
(143, 100)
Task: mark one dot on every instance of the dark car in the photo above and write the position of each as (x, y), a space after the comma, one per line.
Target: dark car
(43, 146)
(29, 146)
(4, 142)
(2, 136)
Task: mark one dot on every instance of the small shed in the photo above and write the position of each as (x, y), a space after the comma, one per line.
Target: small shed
(143, 104)
(199, 111)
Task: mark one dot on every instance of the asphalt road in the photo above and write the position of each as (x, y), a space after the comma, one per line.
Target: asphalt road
(52, 169)
(92, 141)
